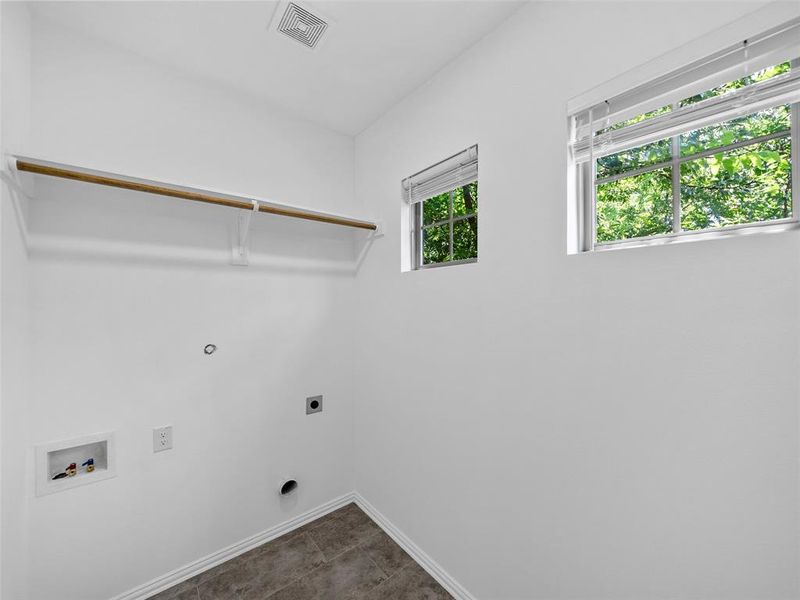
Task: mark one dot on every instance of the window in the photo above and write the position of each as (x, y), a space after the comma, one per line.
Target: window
(710, 148)
(444, 211)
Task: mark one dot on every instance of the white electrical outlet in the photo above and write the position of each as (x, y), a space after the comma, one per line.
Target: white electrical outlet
(162, 438)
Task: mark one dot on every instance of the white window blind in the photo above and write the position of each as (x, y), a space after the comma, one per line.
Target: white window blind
(456, 171)
(593, 135)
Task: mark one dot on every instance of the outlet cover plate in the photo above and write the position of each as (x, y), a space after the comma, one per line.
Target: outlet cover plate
(162, 438)
(313, 404)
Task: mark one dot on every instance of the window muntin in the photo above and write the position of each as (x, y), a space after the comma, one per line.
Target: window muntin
(446, 229)
(633, 159)
(748, 127)
(734, 172)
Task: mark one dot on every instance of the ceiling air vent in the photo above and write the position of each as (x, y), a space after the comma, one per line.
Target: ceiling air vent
(301, 25)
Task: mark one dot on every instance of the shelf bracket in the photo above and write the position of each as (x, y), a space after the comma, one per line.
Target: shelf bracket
(11, 181)
(378, 232)
(240, 252)
(8, 175)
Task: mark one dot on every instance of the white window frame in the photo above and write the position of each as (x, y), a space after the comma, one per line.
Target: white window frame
(443, 177)
(418, 235)
(704, 74)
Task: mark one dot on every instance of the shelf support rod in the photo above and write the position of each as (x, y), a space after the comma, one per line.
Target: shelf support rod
(173, 191)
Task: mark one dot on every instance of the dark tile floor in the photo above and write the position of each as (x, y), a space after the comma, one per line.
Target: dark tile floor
(341, 556)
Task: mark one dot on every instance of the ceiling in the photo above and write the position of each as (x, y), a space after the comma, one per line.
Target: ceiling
(375, 53)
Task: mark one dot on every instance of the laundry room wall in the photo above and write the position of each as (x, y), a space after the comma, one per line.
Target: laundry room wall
(603, 425)
(15, 45)
(125, 291)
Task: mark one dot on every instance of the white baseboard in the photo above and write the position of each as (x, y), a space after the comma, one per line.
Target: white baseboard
(159, 584)
(447, 581)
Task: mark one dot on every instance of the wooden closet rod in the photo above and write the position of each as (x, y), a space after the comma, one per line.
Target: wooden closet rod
(174, 192)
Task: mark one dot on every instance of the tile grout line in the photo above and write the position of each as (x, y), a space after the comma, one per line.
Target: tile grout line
(186, 573)
(316, 545)
(324, 555)
(355, 546)
(442, 577)
(293, 581)
(308, 535)
(395, 574)
(372, 560)
(327, 561)
(337, 555)
(304, 575)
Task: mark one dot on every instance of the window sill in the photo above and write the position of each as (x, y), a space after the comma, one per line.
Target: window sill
(466, 261)
(696, 236)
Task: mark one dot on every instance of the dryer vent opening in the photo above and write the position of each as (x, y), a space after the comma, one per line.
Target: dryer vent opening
(288, 486)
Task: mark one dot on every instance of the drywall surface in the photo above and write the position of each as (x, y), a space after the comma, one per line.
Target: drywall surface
(14, 130)
(124, 348)
(111, 110)
(126, 289)
(612, 425)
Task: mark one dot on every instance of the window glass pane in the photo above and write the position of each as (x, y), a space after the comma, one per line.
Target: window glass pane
(465, 238)
(636, 119)
(465, 199)
(742, 128)
(746, 185)
(436, 244)
(761, 75)
(627, 160)
(635, 206)
(436, 208)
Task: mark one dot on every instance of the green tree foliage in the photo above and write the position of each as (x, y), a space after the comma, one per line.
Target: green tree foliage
(634, 207)
(750, 183)
(455, 212)
(746, 185)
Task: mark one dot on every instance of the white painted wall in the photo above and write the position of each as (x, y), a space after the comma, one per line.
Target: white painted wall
(615, 425)
(125, 291)
(101, 106)
(621, 425)
(14, 133)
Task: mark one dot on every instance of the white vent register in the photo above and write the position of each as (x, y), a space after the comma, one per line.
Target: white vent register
(300, 24)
